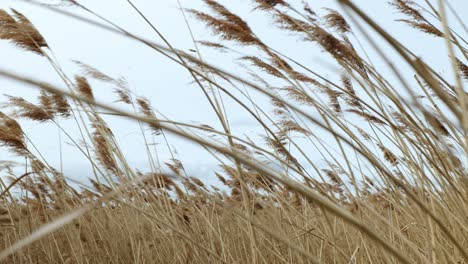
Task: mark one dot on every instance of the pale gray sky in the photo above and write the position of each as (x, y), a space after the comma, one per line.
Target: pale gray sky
(166, 84)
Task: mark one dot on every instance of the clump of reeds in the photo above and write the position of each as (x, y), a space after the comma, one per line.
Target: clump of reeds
(383, 181)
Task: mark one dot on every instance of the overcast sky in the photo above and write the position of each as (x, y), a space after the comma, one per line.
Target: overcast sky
(166, 84)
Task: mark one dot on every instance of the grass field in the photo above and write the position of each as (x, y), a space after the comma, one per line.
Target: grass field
(355, 163)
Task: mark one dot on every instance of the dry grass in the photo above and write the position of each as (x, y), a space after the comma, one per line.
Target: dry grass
(390, 187)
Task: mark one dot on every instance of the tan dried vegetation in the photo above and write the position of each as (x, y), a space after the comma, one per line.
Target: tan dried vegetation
(362, 173)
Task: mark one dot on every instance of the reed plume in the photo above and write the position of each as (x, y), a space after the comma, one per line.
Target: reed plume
(20, 31)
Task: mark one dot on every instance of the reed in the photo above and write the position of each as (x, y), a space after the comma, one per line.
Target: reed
(357, 164)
